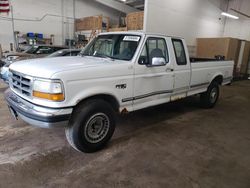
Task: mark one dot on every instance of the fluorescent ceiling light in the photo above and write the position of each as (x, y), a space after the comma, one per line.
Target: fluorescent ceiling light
(229, 15)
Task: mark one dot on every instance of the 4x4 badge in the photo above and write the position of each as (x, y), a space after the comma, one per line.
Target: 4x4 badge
(121, 86)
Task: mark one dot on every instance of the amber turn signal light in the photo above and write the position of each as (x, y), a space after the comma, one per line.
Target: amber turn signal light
(48, 96)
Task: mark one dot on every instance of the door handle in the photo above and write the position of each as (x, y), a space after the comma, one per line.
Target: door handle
(169, 70)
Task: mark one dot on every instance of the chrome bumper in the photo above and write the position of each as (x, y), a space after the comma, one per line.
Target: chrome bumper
(37, 115)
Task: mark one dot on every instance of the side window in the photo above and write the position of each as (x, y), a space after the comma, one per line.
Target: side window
(154, 47)
(74, 53)
(44, 50)
(179, 52)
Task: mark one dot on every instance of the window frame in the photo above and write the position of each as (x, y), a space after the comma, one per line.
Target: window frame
(88, 47)
(147, 48)
(50, 50)
(176, 59)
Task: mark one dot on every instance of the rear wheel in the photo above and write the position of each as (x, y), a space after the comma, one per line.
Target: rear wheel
(91, 126)
(211, 96)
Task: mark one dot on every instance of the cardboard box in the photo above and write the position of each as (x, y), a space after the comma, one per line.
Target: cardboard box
(227, 47)
(135, 20)
(210, 47)
(118, 29)
(245, 58)
(92, 23)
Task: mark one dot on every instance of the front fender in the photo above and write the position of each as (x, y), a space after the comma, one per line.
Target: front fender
(91, 92)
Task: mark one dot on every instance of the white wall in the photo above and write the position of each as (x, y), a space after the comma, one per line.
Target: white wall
(188, 19)
(61, 27)
(238, 28)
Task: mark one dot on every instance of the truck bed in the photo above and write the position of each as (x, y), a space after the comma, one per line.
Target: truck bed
(199, 60)
(203, 72)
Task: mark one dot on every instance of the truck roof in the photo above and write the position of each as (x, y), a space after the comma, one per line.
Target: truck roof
(138, 33)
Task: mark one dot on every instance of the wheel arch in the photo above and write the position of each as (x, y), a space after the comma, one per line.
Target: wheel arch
(106, 97)
(217, 78)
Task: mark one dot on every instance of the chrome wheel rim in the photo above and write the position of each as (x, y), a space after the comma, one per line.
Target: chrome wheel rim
(213, 95)
(97, 128)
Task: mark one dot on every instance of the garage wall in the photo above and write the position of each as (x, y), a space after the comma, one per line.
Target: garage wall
(238, 28)
(62, 28)
(189, 19)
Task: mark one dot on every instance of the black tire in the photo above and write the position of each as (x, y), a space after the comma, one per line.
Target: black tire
(81, 132)
(211, 96)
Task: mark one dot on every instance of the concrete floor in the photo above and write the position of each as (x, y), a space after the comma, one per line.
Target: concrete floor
(177, 145)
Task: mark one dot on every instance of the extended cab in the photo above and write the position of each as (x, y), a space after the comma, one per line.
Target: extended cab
(117, 72)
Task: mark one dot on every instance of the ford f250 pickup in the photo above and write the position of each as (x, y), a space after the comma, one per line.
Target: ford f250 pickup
(117, 72)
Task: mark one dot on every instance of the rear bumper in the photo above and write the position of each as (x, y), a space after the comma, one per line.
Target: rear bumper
(36, 115)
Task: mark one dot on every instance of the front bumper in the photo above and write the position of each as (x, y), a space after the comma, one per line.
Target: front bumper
(36, 115)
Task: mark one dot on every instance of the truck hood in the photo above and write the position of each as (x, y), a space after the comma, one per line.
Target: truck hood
(47, 67)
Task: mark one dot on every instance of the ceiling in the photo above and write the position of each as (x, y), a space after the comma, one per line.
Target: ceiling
(138, 4)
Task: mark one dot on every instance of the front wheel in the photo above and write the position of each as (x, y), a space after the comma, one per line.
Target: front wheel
(211, 96)
(91, 126)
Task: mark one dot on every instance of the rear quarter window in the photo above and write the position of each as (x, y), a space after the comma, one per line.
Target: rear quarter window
(180, 53)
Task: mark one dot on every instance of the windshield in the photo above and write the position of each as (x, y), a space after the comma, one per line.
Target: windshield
(114, 46)
(64, 53)
(31, 50)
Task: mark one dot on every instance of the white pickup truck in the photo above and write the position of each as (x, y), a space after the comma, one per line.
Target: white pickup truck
(116, 73)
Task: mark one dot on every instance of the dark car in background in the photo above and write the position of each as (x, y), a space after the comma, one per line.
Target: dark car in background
(35, 51)
(65, 52)
(1, 63)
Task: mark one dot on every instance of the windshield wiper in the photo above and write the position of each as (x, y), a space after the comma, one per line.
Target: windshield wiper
(82, 54)
(104, 56)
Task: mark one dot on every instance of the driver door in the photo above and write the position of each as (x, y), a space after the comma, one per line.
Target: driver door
(153, 83)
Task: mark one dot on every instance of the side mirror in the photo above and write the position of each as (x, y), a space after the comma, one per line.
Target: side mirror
(158, 61)
(143, 61)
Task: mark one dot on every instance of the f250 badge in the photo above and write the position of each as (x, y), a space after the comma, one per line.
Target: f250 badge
(121, 86)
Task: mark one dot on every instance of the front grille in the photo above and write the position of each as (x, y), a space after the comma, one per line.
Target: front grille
(21, 83)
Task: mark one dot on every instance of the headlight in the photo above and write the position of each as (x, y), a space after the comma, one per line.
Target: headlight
(47, 89)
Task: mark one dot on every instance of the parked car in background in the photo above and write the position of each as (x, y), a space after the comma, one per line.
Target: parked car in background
(35, 51)
(1, 63)
(65, 52)
(4, 73)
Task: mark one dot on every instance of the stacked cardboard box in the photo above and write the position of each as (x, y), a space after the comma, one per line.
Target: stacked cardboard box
(245, 58)
(92, 23)
(135, 20)
(227, 47)
(118, 29)
(87, 23)
(211, 47)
